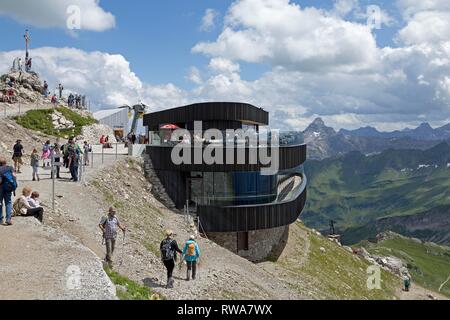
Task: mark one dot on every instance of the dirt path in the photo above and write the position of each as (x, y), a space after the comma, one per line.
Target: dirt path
(418, 293)
(11, 110)
(38, 262)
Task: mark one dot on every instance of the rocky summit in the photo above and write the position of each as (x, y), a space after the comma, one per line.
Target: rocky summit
(28, 87)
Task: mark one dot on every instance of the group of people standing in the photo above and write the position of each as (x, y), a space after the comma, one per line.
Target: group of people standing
(76, 100)
(68, 155)
(110, 226)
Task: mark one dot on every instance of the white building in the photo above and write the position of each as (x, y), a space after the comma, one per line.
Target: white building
(115, 118)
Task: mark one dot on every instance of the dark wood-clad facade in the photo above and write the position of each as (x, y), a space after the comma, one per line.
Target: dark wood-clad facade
(222, 116)
(289, 157)
(251, 217)
(218, 112)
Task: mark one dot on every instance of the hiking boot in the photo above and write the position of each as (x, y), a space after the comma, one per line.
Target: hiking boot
(170, 283)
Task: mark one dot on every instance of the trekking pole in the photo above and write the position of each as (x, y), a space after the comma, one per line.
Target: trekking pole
(123, 247)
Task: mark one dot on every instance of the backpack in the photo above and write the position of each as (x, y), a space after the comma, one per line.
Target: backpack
(8, 182)
(73, 153)
(167, 253)
(191, 250)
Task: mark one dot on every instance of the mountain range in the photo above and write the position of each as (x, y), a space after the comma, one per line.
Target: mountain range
(422, 132)
(324, 142)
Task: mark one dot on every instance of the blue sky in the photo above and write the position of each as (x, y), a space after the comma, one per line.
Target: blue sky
(319, 59)
(156, 37)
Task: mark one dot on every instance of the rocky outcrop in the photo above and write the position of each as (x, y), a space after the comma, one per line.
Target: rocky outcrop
(92, 133)
(27, 86)
(60, 122)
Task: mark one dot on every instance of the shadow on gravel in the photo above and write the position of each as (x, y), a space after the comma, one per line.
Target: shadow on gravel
(153, 283)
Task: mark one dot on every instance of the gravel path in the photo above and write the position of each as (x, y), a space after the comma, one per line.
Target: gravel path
(38, 262)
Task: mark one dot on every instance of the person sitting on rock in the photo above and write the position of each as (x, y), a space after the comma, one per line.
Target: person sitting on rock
(33, 200)
(22, 208)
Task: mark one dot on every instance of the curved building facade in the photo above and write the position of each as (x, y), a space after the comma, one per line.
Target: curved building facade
(236, 201)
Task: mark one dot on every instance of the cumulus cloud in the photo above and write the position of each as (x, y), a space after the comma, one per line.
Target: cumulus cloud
(426, 21)
(105, 78)
(283, 34)
(385, 87)
(209, 20)
(51, 13)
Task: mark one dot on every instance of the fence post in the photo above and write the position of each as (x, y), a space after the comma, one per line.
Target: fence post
(103, 153)
(53, 180)
(116, 149)
(92, 158)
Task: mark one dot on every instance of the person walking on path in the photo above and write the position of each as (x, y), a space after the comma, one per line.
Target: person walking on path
(17, 155)
(109, 226)
(73, 154)
(86, 150)
(46, 152)
(23, 208)
(406, 281)
(191, 254)
(8, 185)
(35, 164)
(169, 249)
(57, 160)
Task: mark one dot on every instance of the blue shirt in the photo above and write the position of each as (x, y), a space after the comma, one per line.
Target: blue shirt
(197, 251)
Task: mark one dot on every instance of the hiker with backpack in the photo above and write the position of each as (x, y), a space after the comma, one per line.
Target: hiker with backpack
(169, 249)
(8, 185)
(109, 226)
(17, 156)
(35, 164)
(191, 254)
(73, 156)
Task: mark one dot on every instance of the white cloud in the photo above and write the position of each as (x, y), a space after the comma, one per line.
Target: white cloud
(209, 20)
(283, 34)
(223, 65)
(195, 75)
(105, 78)
(53, 13)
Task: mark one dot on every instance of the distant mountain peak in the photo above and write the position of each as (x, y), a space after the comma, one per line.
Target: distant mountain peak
(425, 125)
(318, 128)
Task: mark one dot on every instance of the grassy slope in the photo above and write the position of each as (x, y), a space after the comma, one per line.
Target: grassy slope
(335, 274)
(134, 290)
(428, 263)
(355, 200)
(41, 120)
